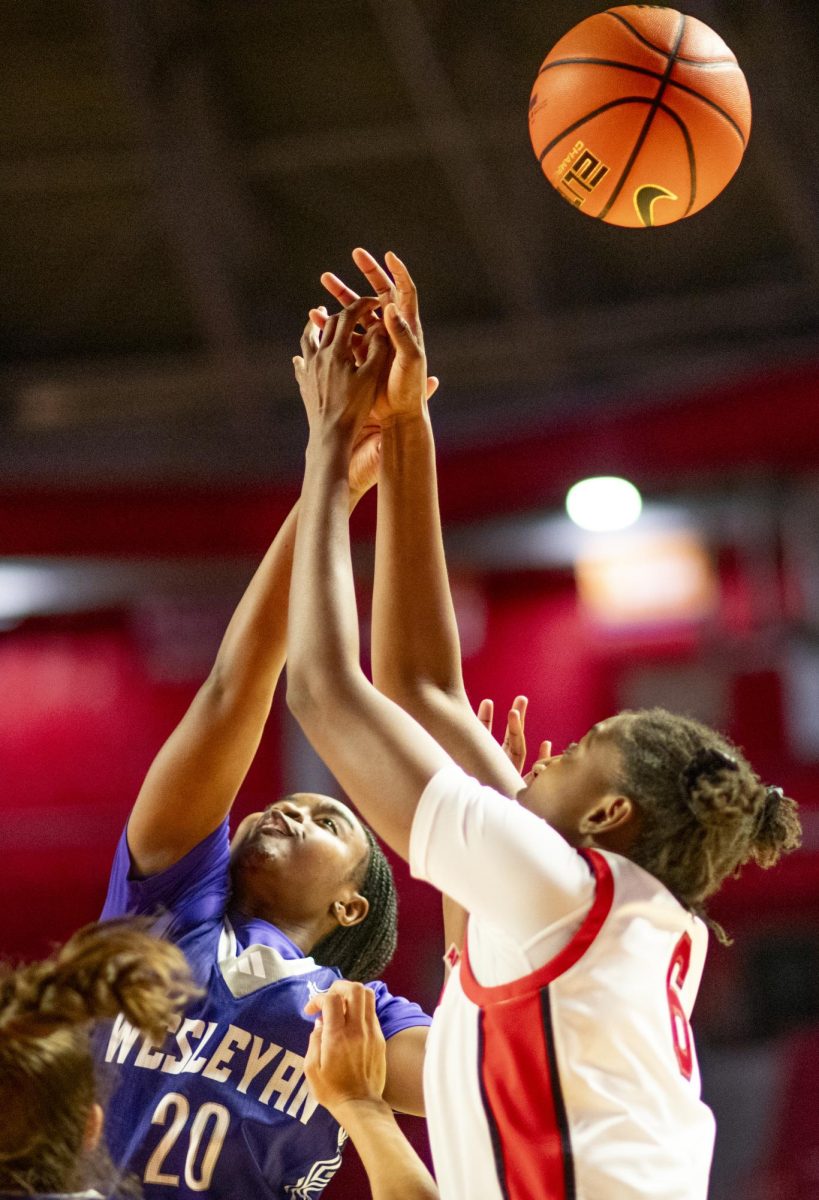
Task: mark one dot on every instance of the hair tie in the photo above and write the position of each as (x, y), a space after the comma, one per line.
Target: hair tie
(773, 795)
(706, 763)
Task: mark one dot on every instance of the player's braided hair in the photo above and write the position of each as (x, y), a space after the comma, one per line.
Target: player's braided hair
(704, 812)
(361, 952)
(46, 1072)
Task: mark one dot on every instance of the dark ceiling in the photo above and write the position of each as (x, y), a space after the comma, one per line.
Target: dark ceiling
(176, 174)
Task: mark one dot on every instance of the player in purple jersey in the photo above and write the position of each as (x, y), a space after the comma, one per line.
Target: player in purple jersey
(52, 1119)
(304, 896)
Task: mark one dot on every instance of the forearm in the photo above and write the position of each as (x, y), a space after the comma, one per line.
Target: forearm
(394, 1170)
(415, 635)
(376, 752)
(323, 643)
(416, 651)
(253, 648)
(252, 653)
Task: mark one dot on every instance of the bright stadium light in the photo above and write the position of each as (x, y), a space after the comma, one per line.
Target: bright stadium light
(604, 504)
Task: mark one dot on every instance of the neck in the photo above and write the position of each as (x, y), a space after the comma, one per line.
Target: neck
(304, 933)
(619, 840)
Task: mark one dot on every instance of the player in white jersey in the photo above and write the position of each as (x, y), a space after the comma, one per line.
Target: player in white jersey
(560, 1062)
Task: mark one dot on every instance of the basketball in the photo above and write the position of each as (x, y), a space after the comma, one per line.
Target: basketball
(640, 116)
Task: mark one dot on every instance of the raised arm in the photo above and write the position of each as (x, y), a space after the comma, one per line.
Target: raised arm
(379, 754)
(416, 654)
(192, 783)
(381, 757)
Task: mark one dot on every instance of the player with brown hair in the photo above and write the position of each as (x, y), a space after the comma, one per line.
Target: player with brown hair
(52, 1119)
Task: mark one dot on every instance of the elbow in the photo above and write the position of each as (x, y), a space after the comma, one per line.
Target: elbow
(306, 709)
(303, 699)
(315, 697)
(311, 696)
(421, 696)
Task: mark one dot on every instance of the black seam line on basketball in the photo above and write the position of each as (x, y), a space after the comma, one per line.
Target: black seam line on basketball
(693, 62)
(612, 62)
(494, 1132)
(692, 161)
(673, 83)
(570, 1189)
(638, 145)
(590, 117)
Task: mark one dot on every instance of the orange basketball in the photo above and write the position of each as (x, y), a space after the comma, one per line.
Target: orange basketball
(640, 116)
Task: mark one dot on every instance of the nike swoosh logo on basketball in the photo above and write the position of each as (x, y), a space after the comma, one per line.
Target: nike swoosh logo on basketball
(646, 197)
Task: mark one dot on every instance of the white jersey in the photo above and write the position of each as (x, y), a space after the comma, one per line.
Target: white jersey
(560, 1064)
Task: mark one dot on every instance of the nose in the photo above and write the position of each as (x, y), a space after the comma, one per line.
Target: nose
(293, 811)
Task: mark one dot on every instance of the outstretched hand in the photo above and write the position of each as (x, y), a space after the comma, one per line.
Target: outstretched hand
(337, 384)
(514, 739)
(407, 386)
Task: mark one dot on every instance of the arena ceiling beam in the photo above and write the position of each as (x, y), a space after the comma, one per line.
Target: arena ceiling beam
(167, 415)
(159, 49)
(101, 169)
(451, 137)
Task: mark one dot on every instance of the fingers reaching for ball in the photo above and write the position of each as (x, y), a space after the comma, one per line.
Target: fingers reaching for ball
(405, 388)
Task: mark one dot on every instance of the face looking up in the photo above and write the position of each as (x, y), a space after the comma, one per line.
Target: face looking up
(577, 792)
(300, 860)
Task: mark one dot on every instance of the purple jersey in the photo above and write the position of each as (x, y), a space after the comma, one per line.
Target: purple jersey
(222, 1105)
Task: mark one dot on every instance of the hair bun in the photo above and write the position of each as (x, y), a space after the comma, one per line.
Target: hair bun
(777, 828)
(706, 764)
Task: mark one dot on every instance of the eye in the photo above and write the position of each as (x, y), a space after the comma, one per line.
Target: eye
(329, 823)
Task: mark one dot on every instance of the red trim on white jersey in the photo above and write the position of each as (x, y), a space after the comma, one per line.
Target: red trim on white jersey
(522, 1099)
(571, 953)
(517, 1068)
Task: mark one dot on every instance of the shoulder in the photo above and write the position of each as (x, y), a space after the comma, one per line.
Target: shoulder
(396, 1013)
(189, 892)
(638, 898)
(454, 804)
(631, 882)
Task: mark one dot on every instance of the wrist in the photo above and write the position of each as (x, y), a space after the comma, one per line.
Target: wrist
(330, 444)
(408, 417)
(355, 1109)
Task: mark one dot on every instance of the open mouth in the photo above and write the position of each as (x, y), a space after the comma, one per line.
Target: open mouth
(276, 824)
